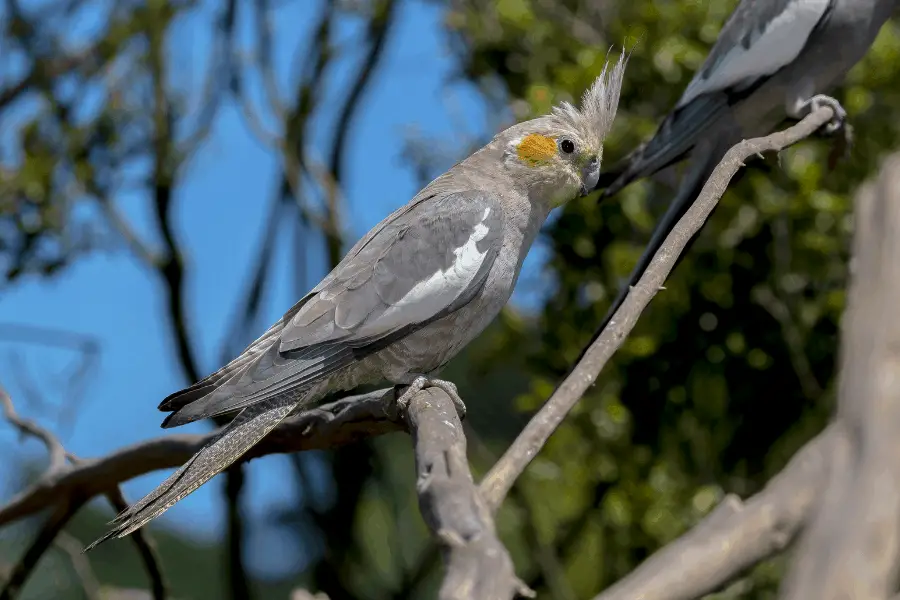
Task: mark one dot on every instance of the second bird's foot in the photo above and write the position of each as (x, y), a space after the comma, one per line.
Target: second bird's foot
(840, 115)
(421, 382)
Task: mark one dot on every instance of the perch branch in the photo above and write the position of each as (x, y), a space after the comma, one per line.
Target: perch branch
(852, 547)
(328, 426)
(477, 564)
(500, 478)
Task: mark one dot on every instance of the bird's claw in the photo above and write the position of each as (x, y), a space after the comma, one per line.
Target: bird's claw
(840, 115)
(421, 382)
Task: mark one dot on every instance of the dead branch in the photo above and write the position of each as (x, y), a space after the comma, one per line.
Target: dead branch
(146, 549)
(736, 535)
(477, 564)
(65, 509)
(80, 564)
(328, 426)
(852, 546)
(500, 478)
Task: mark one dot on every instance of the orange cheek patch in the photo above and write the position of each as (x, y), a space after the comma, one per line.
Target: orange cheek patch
(535, 148)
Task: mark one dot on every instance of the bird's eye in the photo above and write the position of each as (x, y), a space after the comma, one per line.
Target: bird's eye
(567, 146)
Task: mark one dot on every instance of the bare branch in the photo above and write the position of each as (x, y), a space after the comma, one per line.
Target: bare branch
(736, 535)
(66, 506)
(335, 424)
(477, 563)
(216, 78)
(852, 547)
(793, 339)
(48, 532)
(498, 481)
(80, 563)
(145, 547)
(54, 447)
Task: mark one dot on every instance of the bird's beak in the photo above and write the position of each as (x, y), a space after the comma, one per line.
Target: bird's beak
(590, 175)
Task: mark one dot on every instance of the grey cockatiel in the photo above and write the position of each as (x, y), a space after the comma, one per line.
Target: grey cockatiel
(407, 297)
(773, 58)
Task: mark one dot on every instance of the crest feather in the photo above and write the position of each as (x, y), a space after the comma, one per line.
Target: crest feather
(598, 105)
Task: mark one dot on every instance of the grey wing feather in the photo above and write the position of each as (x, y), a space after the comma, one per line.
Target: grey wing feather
(408, 274)
(758, 39)
(383, 288)
(678, 134)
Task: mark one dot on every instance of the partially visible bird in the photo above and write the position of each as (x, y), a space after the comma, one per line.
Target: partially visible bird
(772, 59)
(407, 297)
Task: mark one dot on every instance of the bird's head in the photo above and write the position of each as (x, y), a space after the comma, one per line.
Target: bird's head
(557, 156)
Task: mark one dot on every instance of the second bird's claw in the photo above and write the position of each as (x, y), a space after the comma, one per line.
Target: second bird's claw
(421, 382)
(840, 115)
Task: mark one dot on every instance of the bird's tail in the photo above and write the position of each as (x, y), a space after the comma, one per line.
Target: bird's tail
(248, 428)
(688, 191)
(678, 134)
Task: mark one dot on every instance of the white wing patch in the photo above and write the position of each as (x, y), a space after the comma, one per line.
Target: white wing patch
(432, 295)
(780, 43)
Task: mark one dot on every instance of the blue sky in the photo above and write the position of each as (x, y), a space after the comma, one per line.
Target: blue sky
(221, 212)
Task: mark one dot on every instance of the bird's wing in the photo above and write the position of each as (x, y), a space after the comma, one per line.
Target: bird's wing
(420, 264)
(759, 38)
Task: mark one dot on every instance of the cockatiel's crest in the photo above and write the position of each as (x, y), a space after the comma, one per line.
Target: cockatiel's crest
(573, 133)
(593, 120)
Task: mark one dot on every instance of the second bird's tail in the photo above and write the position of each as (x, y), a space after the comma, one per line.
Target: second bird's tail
(687, 192)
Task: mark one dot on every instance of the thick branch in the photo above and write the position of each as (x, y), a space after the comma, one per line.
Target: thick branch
(499, 480)
(477, 563)
(852, 548)
(736, 535)
(331, 425)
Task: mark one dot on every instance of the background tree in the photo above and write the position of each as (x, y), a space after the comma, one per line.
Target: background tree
(728, 373)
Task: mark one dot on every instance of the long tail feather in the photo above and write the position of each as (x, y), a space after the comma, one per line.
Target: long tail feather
(248, 428)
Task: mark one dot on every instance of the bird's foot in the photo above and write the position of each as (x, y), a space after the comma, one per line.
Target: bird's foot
(837, 121)
(421, 382)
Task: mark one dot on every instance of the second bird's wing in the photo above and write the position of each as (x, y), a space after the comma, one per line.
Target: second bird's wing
(759, 39)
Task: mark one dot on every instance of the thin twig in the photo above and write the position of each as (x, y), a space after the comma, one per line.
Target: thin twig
(54, 447)
(498, 481)
(48, 532)
(61, 463)
(80, 564)
(145, 547)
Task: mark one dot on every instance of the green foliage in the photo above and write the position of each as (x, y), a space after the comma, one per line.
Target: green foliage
(732, 367)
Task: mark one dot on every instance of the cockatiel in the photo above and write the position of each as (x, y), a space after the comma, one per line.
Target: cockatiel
(407, 297)
(773, 59)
